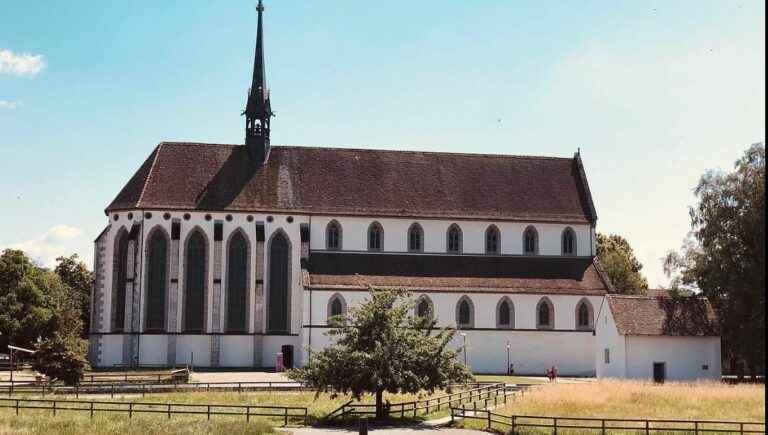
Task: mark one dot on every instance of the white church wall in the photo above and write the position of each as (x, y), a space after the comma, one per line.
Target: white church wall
(111, 350)
(193, 349)
(272, 345)
(236, 351)
(685, 357)
(608, 337)
(355, 233)
(153, 350)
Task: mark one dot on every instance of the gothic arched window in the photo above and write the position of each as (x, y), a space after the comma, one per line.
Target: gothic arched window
(415, 238)
(530, 241)
(279, 286)
(492, 240)
(195, 282)
(545, 314)
(454, 239)
(120, 281)
(584, 314)
(375, 237)
(465, 316)
(505, 314)
(337, 308)
(157, 274)
(333, 236)
(237, 283)
(569, 242)
(424, 307)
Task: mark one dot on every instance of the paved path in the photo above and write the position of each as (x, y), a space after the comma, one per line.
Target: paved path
(239, 377)
(415, 430)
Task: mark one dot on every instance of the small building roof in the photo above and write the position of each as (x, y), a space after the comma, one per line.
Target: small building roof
(215, 177)
(644, 315)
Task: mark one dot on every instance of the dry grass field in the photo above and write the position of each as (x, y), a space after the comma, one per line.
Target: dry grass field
(641, 400)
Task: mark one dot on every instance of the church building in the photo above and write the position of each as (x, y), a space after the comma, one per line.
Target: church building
(224, 255)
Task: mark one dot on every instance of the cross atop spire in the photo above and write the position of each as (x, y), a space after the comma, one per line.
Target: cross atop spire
(258, 110)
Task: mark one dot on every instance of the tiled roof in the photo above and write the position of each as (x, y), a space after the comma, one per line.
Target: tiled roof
(461, 273)
(686, 316)
(194, 176)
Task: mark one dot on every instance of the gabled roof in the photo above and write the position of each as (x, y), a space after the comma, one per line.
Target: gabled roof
(459, 273)
(195, 176)
(642, 315)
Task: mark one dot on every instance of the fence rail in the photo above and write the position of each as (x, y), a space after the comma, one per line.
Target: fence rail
(284, 413)
(606, 425)
(494, 393)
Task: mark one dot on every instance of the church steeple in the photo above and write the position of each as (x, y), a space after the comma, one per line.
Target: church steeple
(258, 110)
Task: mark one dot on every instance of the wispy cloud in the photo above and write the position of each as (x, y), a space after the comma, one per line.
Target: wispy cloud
(53, 243)
(23, 64)
(10, 105)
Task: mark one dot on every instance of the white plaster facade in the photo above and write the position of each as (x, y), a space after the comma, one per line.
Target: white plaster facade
(685, 358)
(531, 350)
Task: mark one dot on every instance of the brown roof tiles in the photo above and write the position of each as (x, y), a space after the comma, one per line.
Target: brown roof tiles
(687, 316)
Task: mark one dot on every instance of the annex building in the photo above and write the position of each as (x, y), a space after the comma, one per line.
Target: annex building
(223, 255)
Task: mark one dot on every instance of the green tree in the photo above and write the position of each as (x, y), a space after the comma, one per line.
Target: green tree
(75, 275)
(24, 309)
(620, 264)
(380, 346)
(724, 255)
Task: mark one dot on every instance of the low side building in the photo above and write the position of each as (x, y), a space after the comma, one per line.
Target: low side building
(659, 338)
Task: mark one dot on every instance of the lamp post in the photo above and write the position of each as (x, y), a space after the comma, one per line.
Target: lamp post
(464, 336)
(507, 357)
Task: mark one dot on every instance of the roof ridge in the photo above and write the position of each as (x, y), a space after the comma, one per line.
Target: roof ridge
(149, 174)
(381, 150)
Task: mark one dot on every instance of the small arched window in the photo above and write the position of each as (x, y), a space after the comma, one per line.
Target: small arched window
(337, 308)
(505, 314)
(333, 236)
(375, 237)
(454, 239)
(465, 316)
(568, 242)
(424, 307)
(492, 240)
(415, 238)
(530, 241)
(545, 314)
(584, 315)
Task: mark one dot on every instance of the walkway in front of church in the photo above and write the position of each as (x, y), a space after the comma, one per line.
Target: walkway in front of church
(387, 430)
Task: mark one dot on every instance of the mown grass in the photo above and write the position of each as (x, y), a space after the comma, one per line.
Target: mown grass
(637, 400)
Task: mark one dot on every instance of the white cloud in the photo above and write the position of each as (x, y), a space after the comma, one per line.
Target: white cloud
(53, 243)
(23, 64)
(10, 105)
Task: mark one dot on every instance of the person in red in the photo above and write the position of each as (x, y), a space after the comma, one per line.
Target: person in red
(549, 374)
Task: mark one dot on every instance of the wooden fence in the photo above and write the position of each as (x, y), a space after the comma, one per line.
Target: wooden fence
(519, 423)
(284, 413)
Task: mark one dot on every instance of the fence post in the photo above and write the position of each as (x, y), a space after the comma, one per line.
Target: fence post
(77, 391)
(209, 412)
(513, 424)
(169, 411)
(647, 427)
(285, 420)
(54, 408)
(17, 407)
(91, 410)
(696, 427)
(741, 428)
(414, 409)
(130, 410)
(112, 394)
(602, 426)
(247, 414)
(489, 419)
(555, 419)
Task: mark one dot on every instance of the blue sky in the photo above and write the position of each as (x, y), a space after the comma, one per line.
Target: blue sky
(653, 92)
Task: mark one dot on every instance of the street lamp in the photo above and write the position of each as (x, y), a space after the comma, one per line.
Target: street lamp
(464, 336)
(508, 358)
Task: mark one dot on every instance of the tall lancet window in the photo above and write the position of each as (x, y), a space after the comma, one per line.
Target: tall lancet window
(454, 239)
(415, 238)
(237, 283)
(120, 280)
(278, 301)
(569, 242)
(195, 282)
(545, 314)
(157, 274)
(465, 316)
(492, 237)
(375, 237)
(530, 241)
(333, 236)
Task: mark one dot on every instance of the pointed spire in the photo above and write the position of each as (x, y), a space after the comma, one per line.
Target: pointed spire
(258, 109)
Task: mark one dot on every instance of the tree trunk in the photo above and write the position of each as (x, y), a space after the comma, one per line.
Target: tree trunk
(379, 405)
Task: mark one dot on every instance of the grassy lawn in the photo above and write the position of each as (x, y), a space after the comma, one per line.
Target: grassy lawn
(628, 399)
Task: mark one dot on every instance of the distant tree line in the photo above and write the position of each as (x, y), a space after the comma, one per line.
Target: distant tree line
(46, 310)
